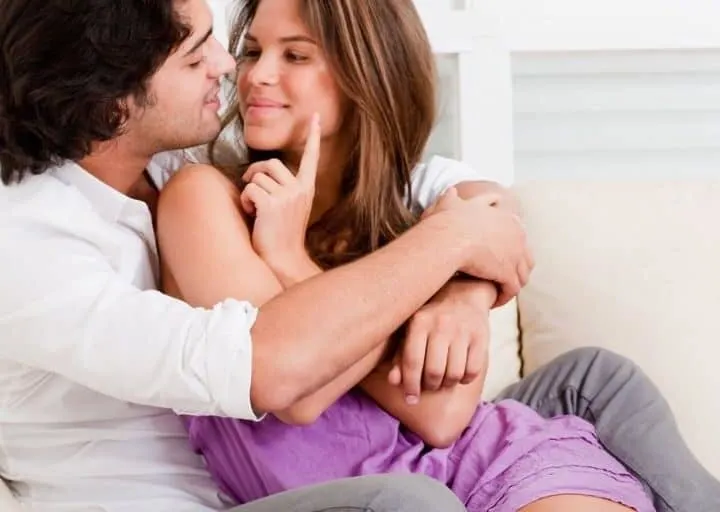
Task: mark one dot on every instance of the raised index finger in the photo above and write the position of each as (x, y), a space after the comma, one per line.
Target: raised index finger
(311, 154)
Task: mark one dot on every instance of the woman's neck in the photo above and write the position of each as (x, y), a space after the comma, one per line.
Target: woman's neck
(328, 188)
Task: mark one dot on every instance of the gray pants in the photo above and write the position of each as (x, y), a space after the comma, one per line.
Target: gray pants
(632, 419)
(381, 493)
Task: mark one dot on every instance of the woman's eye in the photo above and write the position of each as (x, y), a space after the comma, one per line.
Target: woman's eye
(296, 57)
(248, 54)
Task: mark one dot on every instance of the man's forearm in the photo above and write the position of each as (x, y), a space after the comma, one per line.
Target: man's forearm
(317, 329)
(307, 409)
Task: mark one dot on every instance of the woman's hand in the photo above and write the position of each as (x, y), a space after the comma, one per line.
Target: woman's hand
(281, 204)
(447, 340)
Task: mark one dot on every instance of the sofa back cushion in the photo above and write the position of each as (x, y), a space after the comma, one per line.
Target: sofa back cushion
(7, 502)
(633, 267)
(504, 364)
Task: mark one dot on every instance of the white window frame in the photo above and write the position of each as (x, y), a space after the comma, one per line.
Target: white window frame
(468, 31)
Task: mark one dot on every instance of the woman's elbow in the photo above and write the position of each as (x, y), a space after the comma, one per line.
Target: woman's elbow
(444, 428)
(440, 436)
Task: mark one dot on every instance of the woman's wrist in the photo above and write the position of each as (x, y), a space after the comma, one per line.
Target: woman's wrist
(294, 269)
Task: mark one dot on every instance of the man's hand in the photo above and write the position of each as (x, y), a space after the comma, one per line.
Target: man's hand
(495, 239)
(447, 339)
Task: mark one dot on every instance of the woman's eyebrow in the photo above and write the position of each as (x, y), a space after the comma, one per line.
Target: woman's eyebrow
(288, 39)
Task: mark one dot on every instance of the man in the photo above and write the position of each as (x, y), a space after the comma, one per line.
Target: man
(93, 360)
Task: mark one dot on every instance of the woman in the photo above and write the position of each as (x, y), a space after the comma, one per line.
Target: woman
(366, 69)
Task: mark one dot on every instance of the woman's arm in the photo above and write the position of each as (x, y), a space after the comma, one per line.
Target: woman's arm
(212, 258)
(440, 416)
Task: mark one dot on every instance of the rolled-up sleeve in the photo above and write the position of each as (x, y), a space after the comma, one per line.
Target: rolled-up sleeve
(430, 180)
(68, 313)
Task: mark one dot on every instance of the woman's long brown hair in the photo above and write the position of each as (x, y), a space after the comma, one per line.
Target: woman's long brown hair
(383, 63)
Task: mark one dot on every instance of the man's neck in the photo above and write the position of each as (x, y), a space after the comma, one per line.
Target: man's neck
(116, 165)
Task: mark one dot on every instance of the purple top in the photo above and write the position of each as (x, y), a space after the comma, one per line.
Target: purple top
(490, 465)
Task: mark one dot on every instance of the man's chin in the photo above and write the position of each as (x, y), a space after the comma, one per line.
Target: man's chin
(207, 136)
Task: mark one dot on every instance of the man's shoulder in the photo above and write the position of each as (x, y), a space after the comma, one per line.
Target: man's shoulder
(439, 164)
(41, 219)
(40, 198)
(450, 171)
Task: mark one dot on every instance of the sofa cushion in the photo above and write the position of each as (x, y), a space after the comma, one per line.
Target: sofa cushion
(7, 502)
(504, 360)
(633, 267)
(504, 365)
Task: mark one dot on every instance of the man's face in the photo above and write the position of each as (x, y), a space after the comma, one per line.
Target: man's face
(183, 105)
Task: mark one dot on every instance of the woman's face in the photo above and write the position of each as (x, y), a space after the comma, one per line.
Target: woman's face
(283, 78)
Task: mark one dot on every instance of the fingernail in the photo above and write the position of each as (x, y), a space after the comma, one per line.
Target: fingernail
(412, 399)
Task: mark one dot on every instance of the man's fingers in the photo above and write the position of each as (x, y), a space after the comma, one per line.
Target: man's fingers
(413, 360)
(508, 291)
(311, 156)
(530, 259)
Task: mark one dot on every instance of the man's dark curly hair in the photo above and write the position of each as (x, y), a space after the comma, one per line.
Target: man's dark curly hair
(66, 69)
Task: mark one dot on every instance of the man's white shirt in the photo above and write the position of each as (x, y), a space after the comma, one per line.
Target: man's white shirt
(95, 362)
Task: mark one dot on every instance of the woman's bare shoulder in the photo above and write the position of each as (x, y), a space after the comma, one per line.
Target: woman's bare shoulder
(199, 194)
(200, 181)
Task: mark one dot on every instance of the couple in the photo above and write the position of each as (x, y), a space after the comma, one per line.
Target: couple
(270, 347)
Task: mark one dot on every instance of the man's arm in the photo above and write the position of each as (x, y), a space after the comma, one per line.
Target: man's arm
(456, 407)
(72, 315)
(66, 311)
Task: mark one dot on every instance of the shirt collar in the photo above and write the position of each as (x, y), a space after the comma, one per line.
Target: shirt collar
(107, 201)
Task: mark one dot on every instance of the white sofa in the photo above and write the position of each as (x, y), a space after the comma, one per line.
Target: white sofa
(632, 267)
(627, 266)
